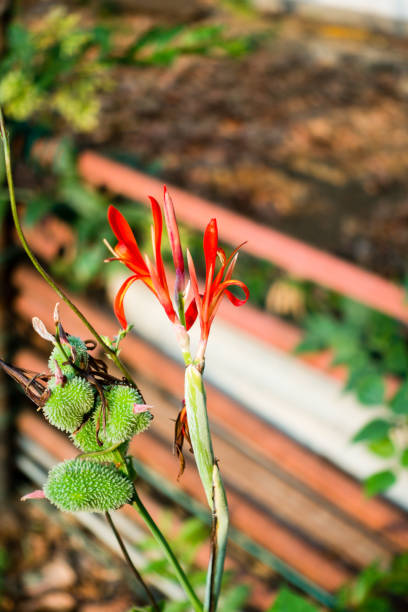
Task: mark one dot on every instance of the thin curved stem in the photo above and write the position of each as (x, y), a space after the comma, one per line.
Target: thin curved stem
(38, 266)
(159, 537)
(130, 563)
(195, 602)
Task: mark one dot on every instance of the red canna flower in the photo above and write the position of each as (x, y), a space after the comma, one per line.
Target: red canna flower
(215, 284)
(152, 275)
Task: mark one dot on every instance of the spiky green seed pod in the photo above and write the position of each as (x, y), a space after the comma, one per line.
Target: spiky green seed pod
(68, 404)
(81, 356)
(121, 421)
(85, 439)
(80, 485)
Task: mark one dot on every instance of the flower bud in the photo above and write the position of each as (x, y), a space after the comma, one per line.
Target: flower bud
(85, 439)
(122, 423)
(67, 404)
(79, 356)
(80, 485)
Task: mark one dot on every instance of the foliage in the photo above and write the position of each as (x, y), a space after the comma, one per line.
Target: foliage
(66, 196)
(377, 589)
(57, 67)
(372, 346)
(186, 544)
(288, 601)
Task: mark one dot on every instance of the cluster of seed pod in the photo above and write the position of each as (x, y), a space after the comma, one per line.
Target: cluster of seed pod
(101, 414)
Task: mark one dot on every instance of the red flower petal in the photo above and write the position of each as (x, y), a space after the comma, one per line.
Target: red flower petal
(156, 238)
(210, 244)
(233, 299)
(210, 252)
(190, 314)
(174, 238)
(161, 292)
(121, 227)
(127, 249)
(194, 283)
(118, 305)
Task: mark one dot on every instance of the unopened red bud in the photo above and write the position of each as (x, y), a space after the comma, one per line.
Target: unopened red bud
(174, 238)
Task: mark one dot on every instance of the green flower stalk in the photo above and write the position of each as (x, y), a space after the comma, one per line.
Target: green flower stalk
(198, 428)
(204, 307)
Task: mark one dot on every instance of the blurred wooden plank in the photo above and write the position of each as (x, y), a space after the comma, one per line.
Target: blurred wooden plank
(251, 432)
(289, 253)
(289, 547)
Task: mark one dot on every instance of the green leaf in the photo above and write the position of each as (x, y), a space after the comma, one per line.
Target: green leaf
(37, 208)
(382, 333)
(360, 367)
(379, 482)
(161, 605)
(371, 390)
(162, 57)
(399, 403)
(235, 599)
(383, 448)
(157, 566)
(374, 430)
(355, 314)
(396, 358)
(404, 458)
(319, 333)
(309, 344)
(288, 601)
(201, 34)
(20, 43)
(176, 606)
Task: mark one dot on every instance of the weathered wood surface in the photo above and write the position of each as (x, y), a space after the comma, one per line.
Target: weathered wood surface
(298, 506)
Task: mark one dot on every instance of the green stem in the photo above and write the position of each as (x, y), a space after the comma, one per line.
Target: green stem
(200, 436)
(38, 266)
(159, 537)
(138, 503)
(98, 453)
(130, 563)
